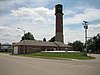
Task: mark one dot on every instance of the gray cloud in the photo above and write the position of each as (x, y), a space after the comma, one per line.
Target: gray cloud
(5, 0)
(40, 20)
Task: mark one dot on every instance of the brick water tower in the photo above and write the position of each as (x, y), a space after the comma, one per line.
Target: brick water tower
(59, 23)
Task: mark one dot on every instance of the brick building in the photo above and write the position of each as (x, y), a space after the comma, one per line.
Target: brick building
(37, 46)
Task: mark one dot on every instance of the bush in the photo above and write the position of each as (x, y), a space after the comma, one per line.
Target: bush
(83, 54)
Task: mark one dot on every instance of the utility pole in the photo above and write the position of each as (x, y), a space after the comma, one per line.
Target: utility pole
(85, 23)
(24, 39)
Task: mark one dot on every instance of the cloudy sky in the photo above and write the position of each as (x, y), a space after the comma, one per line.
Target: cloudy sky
(37, 17)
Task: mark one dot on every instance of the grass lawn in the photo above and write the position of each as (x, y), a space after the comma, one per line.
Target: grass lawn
(55, 55)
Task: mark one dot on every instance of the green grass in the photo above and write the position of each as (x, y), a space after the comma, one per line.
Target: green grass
(51, 55)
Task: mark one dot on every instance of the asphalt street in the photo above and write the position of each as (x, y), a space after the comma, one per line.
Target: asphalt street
(17, 65)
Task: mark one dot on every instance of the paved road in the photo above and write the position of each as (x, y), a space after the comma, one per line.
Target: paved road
(16, 65)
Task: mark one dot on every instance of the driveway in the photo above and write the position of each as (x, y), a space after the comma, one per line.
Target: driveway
(16, 65)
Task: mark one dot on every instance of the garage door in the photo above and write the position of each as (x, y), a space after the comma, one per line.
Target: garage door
(15, 50)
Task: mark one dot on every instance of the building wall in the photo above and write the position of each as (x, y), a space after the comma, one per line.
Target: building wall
(28, 49)
(32, 49)
(48, 48)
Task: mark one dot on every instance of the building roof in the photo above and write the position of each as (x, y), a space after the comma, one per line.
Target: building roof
(42, 43)
(60, 44)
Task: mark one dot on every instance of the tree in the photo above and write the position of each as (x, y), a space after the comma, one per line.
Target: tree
(94, 44)
(0, 46)
(98, 41)
(44, 39)
(70, 44)
(76, 45)
(52, 39)
(91, 44)
(27, 36)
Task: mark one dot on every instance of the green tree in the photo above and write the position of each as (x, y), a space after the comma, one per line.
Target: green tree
(98, 42)
(28, 36)
(70, 44)
(44, 39)
(52, 39)
(91, 44)
(76, 45)
(94, 44)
